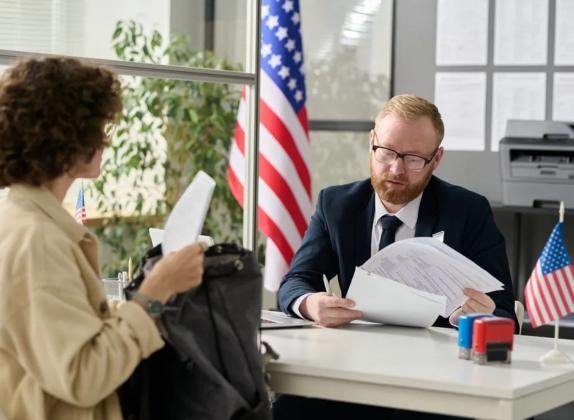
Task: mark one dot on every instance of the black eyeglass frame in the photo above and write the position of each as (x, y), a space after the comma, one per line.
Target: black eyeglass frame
(402, 156)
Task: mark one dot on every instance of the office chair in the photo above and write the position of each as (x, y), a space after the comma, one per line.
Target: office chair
(519, 309)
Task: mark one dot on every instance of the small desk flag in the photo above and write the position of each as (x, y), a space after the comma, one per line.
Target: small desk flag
(80, 214)
(549, 293)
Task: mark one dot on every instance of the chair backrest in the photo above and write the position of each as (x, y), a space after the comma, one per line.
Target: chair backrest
(519, 309)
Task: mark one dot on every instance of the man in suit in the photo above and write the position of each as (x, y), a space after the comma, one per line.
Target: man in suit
(402, 199)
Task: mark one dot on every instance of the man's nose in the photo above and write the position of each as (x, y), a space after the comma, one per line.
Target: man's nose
(397, 166)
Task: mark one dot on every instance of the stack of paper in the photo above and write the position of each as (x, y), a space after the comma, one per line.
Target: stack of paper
(413, 281)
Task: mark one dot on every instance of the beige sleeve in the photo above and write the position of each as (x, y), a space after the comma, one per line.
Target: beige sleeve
(72, 352)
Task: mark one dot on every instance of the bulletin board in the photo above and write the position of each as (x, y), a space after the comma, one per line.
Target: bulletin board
(482, 62)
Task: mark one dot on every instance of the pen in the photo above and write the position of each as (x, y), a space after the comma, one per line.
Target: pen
(327, 286)
(129, 270)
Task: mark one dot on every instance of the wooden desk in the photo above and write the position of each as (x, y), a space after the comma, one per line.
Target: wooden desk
(416, 369)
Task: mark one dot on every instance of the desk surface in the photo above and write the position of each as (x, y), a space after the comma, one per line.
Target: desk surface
(417, 369)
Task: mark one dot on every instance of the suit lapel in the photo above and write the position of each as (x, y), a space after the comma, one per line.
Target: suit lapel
(363, 229)
(428, 211)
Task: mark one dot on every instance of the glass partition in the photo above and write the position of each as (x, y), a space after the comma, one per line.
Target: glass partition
(338, 157)
(347, 56)
(85, 28)
(169, 130)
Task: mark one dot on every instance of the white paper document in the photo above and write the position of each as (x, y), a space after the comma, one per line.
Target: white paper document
(516, 96)
(423, 268)
(461, 23)
(387, 301)
(156, 236)
(461, 98)
(564, 35)
(520, 32)
(186, 219)
(563, 96)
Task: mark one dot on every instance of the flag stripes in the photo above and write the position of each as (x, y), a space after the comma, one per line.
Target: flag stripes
(284, 189)
(549, 293)
(80, 213)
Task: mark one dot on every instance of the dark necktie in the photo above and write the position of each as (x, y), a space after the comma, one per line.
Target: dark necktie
(390, 226)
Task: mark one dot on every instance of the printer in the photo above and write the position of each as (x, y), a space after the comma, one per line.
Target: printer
(537, 163)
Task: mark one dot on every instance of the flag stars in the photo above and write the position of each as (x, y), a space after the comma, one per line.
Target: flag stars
(292, 84)
(284, 72)
(290, 45)
(281, 33)
(272, 21)
(265, 50)
(275, 60)
(298, 95)
(264, 11)
(287, 6)
(295, 18)
(297, 57)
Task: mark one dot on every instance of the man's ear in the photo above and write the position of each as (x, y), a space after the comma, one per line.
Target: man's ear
(437, 157)
(371, 141)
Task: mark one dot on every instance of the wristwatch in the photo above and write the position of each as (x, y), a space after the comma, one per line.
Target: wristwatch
(152, 306)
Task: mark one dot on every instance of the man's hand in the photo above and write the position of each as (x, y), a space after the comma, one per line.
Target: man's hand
(329, 311)
(477, 302)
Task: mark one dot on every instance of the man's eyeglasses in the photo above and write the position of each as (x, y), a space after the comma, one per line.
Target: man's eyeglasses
(388, 156)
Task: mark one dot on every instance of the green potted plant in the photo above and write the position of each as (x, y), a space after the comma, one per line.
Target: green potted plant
(169, 129)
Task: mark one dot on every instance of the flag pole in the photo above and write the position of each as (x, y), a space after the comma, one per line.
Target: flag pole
(555, 356)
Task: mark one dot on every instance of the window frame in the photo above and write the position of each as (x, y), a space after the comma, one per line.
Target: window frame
(248, 78)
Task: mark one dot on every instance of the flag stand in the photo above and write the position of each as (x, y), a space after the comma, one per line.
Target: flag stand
(555, 356)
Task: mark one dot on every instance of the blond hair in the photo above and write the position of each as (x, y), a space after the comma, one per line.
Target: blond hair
(411, 107)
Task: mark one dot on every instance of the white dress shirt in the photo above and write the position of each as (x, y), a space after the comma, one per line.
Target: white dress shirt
(408, 215)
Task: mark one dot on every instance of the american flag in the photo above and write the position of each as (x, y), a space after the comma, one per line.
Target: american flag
(549, 293)
(285, 203)
(80, 214)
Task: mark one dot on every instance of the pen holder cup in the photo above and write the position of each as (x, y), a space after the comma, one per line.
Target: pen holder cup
(114, 289)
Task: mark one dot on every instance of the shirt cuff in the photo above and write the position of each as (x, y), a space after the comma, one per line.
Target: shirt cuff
(453, 318)
(295, 305)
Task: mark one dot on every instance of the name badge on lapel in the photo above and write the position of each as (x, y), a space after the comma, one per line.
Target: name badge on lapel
(439, 236)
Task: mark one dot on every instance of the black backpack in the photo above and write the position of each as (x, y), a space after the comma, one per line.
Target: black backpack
(210, 367)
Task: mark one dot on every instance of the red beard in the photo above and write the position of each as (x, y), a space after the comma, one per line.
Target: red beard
(408, 192)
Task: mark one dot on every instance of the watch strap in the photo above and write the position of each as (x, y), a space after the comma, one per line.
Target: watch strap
(152, 306)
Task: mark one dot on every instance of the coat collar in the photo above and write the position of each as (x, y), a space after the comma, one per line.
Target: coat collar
(428, 210)
(47, 203)
(364, 227)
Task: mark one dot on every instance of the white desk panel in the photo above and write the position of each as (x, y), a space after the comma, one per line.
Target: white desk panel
(417, 369)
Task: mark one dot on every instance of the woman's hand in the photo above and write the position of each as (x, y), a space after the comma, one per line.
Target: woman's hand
(175, 273)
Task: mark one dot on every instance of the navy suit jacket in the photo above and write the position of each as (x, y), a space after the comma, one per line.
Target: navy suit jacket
(339, 238)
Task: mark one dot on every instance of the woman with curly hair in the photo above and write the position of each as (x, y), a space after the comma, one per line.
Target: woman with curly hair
(63, 350)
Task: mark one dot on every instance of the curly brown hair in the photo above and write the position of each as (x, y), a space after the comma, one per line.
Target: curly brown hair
(52, 113)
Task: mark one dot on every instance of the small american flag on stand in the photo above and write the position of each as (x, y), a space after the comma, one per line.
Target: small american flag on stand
(80, 214)
(549, 293)
(285, 203)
